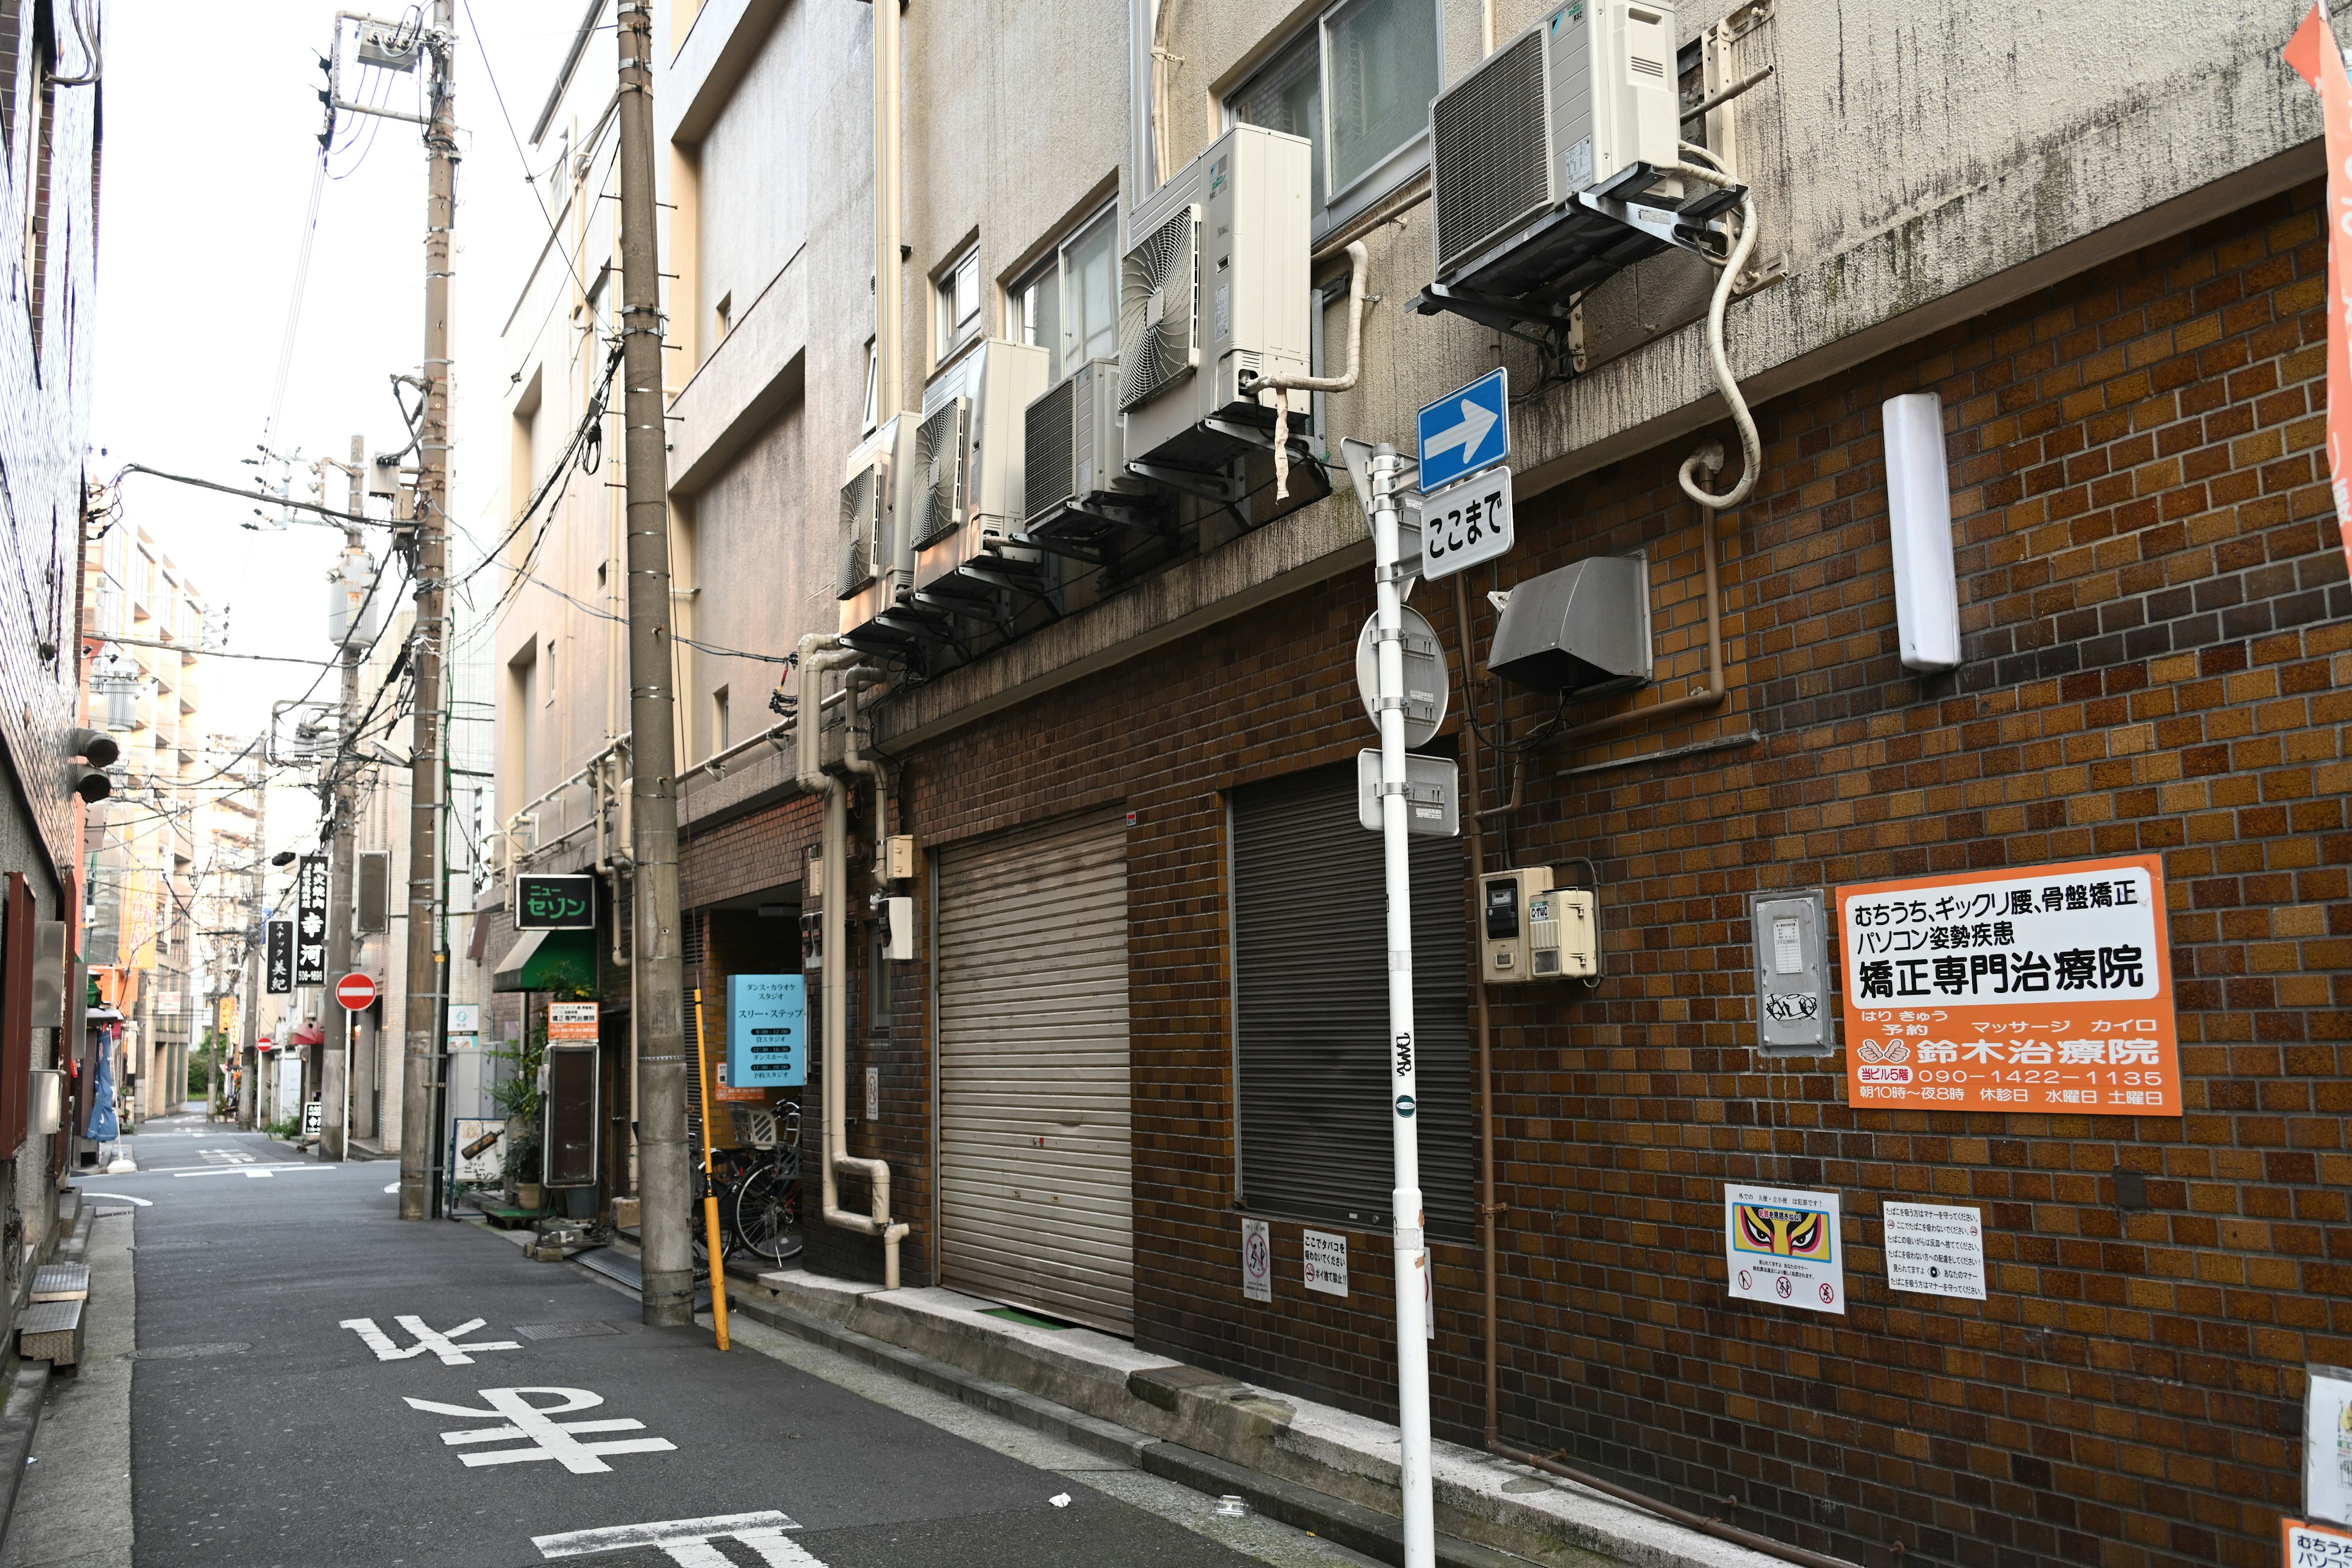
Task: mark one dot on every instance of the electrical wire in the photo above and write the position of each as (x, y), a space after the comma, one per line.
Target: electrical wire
(294, 296)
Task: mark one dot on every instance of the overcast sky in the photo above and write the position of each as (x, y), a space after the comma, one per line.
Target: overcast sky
(209, 161)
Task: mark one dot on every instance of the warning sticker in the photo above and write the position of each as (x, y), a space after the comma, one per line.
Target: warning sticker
(1934, 1251)
(1781, 1244)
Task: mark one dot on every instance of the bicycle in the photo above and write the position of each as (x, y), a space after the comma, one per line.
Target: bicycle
(759, 1189)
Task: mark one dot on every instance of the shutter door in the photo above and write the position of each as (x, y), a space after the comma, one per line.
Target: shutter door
(1036, 1173)
(1311, 1010)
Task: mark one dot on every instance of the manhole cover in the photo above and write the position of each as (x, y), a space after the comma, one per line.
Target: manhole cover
(563, 1331)
(189, 1352)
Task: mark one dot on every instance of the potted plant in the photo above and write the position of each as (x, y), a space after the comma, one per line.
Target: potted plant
(522, 1101)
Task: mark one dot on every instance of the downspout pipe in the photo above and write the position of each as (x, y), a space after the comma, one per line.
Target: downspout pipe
(820, 652)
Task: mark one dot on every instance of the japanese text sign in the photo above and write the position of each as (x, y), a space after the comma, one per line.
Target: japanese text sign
(573, 1021)
(279, 945)
(2047, 988)
(311, 920)
(1782, 1244)
(767, 1016)
(554, 903)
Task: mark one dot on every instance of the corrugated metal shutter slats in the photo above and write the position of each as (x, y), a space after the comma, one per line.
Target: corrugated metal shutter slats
(1032, 951)
(1311, 1010)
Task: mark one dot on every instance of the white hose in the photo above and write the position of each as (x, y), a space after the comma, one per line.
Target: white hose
(1751, 450)
(1282, 387)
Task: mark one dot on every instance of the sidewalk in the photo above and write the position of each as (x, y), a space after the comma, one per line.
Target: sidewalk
(73, 1507)
(1311, 1464)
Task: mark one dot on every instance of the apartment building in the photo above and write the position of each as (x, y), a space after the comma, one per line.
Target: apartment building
(1144, 1013)
(148, 844)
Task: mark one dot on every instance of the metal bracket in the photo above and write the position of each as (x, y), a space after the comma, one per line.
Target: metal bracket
(1385, 787)
(1223, 489)
(1662, 224)
(1556, 323)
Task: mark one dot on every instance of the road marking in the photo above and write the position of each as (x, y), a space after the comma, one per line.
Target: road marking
(687, 1540)
(392, 1186)
(122, 1198)
(226, 1156)
(437, 1342)
(546, 1439)
(241, 1170)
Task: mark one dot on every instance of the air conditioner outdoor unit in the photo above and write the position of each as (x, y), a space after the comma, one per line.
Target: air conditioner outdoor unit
(1075, 483)
(876, 558)
(1581, 105)
(970, 478)
(1213, 296)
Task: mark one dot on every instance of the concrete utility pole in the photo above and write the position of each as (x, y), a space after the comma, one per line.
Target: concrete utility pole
(334, 1081)
(249, 1099)
(656, 979)
(427, 987)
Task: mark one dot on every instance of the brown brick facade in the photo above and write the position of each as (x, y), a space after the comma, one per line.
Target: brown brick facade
(2156, 618)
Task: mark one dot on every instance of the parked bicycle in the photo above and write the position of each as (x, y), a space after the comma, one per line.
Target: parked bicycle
(758, 1188)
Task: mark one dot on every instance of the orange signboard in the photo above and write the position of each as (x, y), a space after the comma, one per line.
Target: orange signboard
(2043, 988)
(572, 1022)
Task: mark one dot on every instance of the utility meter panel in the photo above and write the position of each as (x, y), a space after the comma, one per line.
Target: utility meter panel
(1531, 930)
(1792, 984)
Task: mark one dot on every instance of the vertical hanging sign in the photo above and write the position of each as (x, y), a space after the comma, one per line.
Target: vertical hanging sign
(2315, 57)
(2043, 988)
(278, 948)
(310, 921)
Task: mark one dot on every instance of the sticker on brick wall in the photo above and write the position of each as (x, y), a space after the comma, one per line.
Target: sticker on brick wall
(1782, 1244)
(2328, 1443)
(2048, 988)
(1326, 1263)
(1258, 1261)
(1935, 1249)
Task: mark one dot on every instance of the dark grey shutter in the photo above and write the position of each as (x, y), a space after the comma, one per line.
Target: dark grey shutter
(1310, 1008)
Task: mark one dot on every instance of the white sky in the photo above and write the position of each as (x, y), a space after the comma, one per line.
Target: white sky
(206, 181)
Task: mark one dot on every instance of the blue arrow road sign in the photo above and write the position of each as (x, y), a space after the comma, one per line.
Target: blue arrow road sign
(1465, 431)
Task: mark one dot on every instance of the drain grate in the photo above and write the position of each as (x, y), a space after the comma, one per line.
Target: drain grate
(563, 1331)
(109, 1211)
(189, 1352)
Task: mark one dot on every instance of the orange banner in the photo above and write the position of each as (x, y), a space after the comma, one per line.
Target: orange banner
(2315, 57)
(2045, 988)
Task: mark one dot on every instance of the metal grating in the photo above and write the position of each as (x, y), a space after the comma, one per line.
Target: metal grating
(1159, 302)
(582, 1331)
(192, 1352)
(1488, 150)
(859, 498)
(1045, 480)
(940, 442)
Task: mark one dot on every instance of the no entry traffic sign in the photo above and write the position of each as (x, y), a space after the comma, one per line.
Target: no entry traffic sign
(355, 992)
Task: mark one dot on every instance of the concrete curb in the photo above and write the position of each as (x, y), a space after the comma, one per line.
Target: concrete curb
(18, 1422)
(1352, 1525)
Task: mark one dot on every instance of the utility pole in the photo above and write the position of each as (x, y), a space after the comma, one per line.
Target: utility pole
(427, 985)
(656, 979)
(249, 1099)
(333, 1082)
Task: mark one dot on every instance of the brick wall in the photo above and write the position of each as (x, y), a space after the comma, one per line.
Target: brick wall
(2155, 609)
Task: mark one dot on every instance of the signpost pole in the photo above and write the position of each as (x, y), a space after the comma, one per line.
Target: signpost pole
(1412, 1258)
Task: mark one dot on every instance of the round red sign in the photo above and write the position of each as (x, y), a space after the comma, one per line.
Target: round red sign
(355, 992)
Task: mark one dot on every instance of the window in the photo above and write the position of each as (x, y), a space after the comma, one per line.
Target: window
(719, 720)
(1069, 305)
(725, 314)
(959, 297)
(1358, 86)
(873, 386)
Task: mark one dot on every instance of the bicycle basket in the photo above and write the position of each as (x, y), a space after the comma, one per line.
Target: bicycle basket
(754, 1125)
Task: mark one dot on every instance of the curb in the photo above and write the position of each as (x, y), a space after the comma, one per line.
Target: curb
(1349, 1524)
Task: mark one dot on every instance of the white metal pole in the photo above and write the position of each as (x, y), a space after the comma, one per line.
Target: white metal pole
(1412, 1258)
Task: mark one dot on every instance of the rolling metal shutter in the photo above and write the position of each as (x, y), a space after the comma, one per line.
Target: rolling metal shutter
(1035, 1170)
(1310, 1010)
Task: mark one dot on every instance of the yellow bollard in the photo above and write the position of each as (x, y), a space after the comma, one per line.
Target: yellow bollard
(710, 1196)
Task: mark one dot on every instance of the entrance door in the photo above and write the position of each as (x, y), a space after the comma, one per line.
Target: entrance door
(1035, 1170)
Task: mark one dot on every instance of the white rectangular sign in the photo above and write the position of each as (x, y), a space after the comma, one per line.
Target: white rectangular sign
(1781, 1244)
(1933, 1251)
(2328, 1443)
(1466, 523)
(465, 1018)
(1326, 1263)
(1258, 1261)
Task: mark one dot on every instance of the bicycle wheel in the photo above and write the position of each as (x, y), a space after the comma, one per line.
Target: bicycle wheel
(767, 1214)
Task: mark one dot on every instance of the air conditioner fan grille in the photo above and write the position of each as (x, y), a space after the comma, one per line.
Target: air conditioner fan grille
(859, 498)
(1487, 152)
(940, 443)
(1158, 299)
(1047, 479)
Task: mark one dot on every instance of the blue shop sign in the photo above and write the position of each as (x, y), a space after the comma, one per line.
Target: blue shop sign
(767, 1031)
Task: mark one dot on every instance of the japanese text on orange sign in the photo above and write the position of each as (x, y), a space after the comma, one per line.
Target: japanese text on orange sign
(2047, 988)
(571, 1021)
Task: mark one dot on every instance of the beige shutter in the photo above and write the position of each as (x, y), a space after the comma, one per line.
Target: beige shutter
(1035, 1169)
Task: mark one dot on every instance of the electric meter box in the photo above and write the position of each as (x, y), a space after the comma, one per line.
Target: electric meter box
(1792, 992)
(1531, 930)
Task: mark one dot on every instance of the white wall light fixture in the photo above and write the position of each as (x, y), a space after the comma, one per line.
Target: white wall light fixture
(1919, 518)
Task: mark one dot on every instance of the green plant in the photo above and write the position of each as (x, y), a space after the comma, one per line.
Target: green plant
(522, 1102)
(286, 1132)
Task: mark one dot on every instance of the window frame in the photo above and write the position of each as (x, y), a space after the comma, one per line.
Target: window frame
(953, 331)
(1408, 161)
(1055, 262)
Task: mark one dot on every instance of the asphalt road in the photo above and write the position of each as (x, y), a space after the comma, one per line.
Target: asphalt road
(268, 1430)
